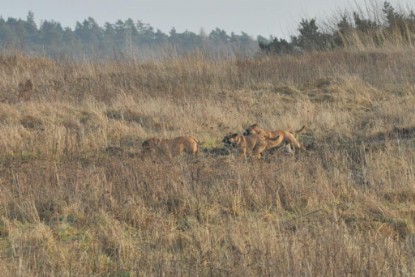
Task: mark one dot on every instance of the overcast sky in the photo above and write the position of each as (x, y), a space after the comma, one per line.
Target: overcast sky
(279, 18)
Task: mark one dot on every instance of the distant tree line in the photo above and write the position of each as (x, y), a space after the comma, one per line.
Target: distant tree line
(388, 28)
(135, 39)
(123, 39)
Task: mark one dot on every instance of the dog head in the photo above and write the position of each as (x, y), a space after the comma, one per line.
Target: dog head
(252, 130)
(230, 140)
(149, 144)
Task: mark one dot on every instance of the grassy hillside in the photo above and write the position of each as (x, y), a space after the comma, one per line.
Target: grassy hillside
(77, 198)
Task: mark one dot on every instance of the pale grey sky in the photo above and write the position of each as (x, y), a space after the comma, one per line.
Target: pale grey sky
(278, 18)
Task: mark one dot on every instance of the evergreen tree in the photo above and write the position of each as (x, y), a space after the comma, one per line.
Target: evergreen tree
(310, 37)
(8, 37)
(51, 33)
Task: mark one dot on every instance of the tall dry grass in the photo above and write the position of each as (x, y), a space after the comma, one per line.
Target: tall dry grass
(78, 198)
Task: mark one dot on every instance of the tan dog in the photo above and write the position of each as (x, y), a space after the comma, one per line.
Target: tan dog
(171, 147)
(280, 135)
(255, 144)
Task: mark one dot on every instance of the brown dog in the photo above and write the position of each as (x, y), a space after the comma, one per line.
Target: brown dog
(254, 145)
(171, 147)
(280, 135)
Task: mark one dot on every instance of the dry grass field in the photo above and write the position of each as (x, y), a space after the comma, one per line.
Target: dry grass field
(77, 197)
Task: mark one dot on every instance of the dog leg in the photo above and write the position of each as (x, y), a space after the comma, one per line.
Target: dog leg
(290, 137)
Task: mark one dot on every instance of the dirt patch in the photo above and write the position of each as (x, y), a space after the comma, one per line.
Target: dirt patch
(217, 151)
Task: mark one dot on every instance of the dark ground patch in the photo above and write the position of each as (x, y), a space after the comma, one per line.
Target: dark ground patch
(395, 133)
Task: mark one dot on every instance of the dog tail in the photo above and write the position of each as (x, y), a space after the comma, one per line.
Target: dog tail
(195, 139)
(299, 130)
